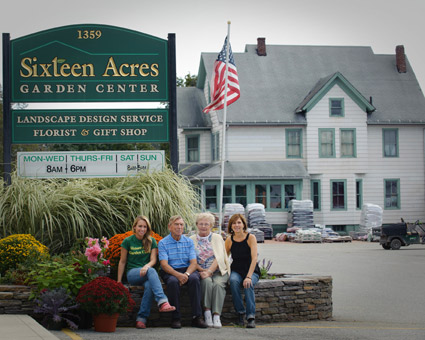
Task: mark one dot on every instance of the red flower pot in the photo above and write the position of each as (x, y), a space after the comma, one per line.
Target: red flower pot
(105, 322)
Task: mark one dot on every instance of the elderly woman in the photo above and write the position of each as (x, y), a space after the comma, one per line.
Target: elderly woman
(213, 266)
(245, 271)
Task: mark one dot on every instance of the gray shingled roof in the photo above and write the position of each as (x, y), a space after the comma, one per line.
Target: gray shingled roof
(190, 102)
(246, 170)
(273, 86)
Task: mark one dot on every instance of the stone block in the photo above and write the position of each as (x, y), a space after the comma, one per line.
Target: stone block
(6, 295)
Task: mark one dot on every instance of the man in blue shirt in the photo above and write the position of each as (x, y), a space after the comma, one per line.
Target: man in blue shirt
(177, 258)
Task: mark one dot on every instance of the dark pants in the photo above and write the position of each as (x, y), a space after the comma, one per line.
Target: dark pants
(193, 289)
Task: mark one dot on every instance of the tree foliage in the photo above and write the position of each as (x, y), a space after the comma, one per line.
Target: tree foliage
(189, 80)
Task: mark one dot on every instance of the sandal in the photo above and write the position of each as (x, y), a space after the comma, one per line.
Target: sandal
(166, 307)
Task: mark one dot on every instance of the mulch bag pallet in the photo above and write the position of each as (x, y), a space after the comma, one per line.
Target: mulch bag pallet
(255, 213)
(304, 236)
(259, 235)
(300, 214)
(371, 216)
(256, 218)
(230, 209)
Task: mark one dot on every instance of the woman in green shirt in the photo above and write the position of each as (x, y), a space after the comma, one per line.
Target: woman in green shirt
(139, 253)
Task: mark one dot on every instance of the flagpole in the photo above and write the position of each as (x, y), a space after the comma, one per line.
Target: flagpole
(223, 135)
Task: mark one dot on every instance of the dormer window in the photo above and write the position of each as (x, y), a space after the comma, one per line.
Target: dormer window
(336, 107)
(192, 148)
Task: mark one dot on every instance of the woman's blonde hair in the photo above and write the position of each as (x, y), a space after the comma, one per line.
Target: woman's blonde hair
(233, 219)
(146, 240)
(206, 216)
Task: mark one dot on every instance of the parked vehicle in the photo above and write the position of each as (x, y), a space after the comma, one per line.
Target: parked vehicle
(374, 234)
(394, 236)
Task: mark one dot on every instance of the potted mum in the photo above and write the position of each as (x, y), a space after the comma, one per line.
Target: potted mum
(105, 299)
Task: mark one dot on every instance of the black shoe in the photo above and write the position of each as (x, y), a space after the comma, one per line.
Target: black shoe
(176, 324)
(199, 323)
(241, 320)
(251, 323)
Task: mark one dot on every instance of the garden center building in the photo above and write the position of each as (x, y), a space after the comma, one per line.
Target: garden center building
(339, 125)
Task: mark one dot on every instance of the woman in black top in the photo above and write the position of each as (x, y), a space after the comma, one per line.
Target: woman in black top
(244, 268)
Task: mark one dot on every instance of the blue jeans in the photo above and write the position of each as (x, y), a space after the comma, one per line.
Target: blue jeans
(152, 288)
(235, 287)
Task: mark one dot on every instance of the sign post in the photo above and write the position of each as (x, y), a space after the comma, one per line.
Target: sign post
(7, 131)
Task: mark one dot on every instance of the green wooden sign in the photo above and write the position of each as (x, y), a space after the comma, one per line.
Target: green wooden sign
(89, 63)
(90, 126)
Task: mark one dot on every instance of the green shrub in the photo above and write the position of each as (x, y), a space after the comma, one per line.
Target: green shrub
(19, 248)
(59, 271)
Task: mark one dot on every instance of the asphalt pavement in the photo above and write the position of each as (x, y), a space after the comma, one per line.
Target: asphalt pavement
(377, 294)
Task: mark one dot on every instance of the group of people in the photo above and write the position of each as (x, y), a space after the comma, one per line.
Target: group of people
(201, 262)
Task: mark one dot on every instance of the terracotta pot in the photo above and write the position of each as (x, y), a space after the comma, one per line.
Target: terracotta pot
(105, 322)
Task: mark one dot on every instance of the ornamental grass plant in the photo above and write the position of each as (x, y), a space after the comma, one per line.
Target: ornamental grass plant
(57, 211)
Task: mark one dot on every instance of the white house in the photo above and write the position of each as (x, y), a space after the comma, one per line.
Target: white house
(339, 125)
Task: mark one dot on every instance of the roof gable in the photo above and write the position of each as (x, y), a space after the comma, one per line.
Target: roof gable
(273, 87)
(325, 84)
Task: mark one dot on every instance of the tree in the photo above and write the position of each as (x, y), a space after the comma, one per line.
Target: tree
(188, 81)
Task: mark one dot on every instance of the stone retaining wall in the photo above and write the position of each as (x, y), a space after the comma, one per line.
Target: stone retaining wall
(14, 300)
(287, 298)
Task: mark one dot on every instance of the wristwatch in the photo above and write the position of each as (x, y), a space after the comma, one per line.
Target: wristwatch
(187, 274)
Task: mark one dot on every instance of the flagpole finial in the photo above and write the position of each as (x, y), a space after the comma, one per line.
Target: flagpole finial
(229, 22)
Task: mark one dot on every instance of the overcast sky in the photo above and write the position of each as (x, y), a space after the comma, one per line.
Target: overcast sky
(200, 26)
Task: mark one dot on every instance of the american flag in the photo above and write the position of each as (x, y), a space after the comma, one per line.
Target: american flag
(219, 80)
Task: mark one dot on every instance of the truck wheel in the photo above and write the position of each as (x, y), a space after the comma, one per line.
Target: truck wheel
(386, 246)
(395, 244)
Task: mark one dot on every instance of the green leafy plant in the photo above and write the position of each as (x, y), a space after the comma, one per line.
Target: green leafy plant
(61, 271)
(105, 296)
(20, 275)
(18, 248)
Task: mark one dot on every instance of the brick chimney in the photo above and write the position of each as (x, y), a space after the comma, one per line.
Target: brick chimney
(400, 58)
(261, 46)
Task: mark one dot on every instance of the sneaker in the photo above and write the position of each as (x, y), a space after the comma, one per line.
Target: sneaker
(166, 307)
(208, 318)
(198, 322)
(216, 321)
(176, 324)
(140, 325)
(251, 323)
(241, 320)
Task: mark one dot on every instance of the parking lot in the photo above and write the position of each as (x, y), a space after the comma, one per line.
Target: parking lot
(369, 283)
(377, 294)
